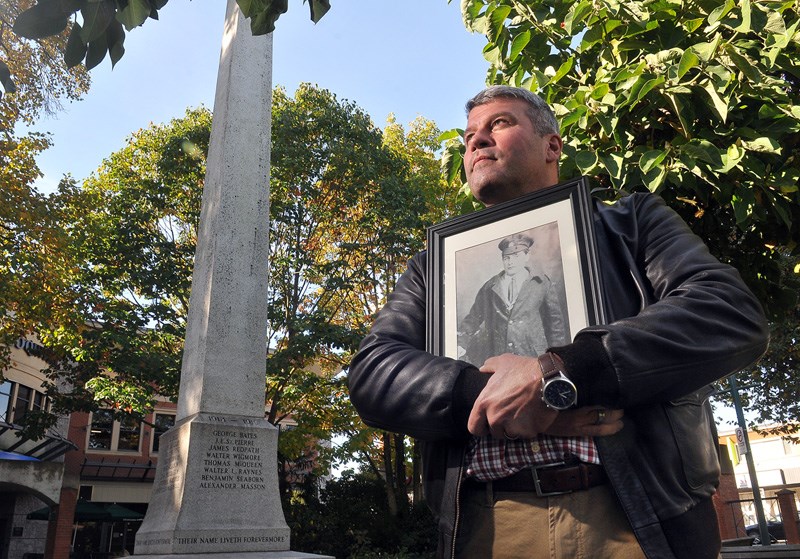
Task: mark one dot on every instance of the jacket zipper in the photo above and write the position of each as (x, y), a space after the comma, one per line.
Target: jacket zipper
(457, 519)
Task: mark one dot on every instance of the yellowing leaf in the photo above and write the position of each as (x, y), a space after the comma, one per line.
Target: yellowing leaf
(763, 144)
(719, 105)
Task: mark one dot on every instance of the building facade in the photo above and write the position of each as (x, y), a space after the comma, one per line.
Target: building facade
(777, 466)
(83, 489)
(31, 472)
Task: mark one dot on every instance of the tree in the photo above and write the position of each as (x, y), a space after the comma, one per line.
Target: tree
(340, 525)
(34, 284)
(349, 205)
(769, 389)
(391, 455)
(698, 102)
(33, 281)
(132, 234)
(41, 79)
(105, 23)
(347, 209)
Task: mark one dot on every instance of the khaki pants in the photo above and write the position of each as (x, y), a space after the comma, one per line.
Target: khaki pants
(586, 524)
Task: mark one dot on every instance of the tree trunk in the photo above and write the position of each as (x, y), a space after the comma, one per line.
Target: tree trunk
(388, 470)
(416, 473)
(400, 473)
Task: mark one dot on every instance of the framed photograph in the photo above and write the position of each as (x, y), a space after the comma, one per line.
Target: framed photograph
(517, 277)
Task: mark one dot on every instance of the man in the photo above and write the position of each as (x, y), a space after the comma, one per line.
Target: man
(509, 475)
(515, 311)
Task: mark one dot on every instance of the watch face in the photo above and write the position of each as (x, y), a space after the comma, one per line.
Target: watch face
(559, 394)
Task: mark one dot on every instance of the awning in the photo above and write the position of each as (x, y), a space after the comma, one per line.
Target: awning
(49, 447)
(16, 456)
(119, 513)
(86, 511)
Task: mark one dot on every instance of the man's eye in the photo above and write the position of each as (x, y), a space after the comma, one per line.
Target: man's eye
(499, 122)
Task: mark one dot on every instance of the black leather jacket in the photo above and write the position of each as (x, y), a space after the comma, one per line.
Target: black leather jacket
(678, 320)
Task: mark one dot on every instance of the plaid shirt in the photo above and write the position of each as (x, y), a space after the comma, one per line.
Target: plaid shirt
(489, 458)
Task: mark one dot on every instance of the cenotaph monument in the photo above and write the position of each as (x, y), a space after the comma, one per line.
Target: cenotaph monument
(216, 486)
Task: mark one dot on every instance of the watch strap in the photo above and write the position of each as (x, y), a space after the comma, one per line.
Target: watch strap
(550, 367)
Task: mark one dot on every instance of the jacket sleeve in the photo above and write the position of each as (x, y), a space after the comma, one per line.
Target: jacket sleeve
(556, 330)
(396, 385)
(696, 321)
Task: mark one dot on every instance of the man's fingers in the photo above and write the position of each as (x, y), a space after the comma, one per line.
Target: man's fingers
(602, 422)
(589, 421)
(477, 423)
(604, 429)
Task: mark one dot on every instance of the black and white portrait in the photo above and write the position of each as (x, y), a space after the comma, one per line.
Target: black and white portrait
(510, 295)
(515, 278)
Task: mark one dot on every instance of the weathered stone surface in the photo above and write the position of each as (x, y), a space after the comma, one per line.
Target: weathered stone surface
(258, 555)
(224, 365)
(216, 489)
(42, 479)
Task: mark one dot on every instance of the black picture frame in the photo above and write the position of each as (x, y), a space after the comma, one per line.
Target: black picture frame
(465, 258)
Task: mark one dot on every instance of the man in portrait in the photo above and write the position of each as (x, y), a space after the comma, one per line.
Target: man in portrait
(516, 311)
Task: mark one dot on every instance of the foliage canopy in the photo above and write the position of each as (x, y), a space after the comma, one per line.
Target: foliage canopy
(104, 24)
(698, 102)
(31, 243)
(349, 205)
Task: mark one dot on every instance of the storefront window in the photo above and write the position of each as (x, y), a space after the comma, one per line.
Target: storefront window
(101, 431)
(163, 422)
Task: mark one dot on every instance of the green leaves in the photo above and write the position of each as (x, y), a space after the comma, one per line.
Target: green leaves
(97, 16)
(105, 22)
(318, 9)
(134, 14)
(519, 43)
(46, 18)
(5, 79)
(76, 48)
(696, 101)
(263, 14)
(688, 61)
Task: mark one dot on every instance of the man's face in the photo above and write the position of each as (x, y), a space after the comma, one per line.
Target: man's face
(515, 263)
(505, 157)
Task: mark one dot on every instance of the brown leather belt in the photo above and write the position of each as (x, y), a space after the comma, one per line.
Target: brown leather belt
(549, 479)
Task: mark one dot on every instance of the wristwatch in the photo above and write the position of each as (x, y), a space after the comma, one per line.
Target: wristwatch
(558, 392)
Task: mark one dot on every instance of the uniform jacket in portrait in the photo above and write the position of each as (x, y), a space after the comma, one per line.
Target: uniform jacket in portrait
(528, 326)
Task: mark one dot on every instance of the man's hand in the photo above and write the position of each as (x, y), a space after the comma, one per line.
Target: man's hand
(511, 403)
(589, 421)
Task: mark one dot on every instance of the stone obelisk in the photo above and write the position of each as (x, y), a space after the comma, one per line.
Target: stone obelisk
(216, 486)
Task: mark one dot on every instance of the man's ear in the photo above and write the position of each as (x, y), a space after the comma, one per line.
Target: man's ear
(554, 145)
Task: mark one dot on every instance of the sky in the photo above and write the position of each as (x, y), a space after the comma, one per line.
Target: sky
(409, 58)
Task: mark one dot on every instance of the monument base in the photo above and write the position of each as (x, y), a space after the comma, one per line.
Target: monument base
(216, 491)
(251, 555)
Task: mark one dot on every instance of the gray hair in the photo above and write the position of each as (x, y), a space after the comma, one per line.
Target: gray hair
(541, 115)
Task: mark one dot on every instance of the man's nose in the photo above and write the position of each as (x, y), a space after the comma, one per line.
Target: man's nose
(481, 138)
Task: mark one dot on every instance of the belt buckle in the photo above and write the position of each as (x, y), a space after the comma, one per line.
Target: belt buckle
(537, 482)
